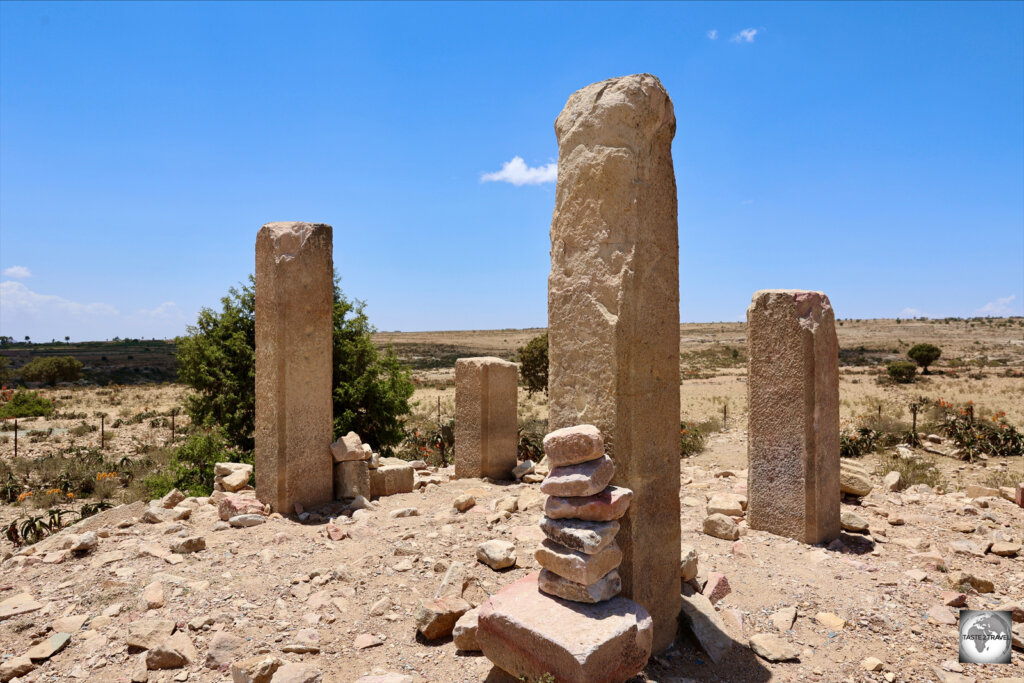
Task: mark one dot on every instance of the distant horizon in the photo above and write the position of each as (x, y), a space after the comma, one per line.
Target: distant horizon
(54, 340)
(873, 151)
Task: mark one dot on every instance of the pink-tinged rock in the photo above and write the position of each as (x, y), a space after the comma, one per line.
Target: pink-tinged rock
(19, 604)
(583, 479)
(954, 599)
(436, 618)
(335, 532)
(610, 504)
(577, 566)
(1019, 496)
(175, 652)
(940, 614)
(365, 640)
(717, 587)
(527, 633)
(572, 445)
(233, 506)
(385, 678)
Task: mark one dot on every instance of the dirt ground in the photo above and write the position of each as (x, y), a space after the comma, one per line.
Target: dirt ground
(269, 584)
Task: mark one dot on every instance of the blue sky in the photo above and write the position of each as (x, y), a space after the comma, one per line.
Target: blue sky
(871, 150)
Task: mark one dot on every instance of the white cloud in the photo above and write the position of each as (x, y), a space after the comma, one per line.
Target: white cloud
(713, 34)
(518, 173)
(909, 312)
(46, 316)
(18, 272)
(997, 307)
(745, 36)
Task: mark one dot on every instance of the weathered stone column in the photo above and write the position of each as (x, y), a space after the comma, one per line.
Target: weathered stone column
(613, 316)
(486, 417)
(294, 410)
(793, 415)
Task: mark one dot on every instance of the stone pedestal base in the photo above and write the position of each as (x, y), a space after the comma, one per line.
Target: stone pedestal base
(528, 633)
(351, 479)
(393, 476)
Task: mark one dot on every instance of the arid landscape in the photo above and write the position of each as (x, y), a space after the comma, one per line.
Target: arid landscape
(343, 597)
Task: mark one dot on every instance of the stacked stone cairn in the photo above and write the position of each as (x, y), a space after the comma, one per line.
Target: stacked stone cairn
(579, 557)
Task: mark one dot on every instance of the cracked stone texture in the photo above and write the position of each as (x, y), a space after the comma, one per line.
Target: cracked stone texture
(486, 417)
(613, 315)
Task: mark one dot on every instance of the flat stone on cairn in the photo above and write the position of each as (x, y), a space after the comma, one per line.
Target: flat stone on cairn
(582, 479)
(605, 506)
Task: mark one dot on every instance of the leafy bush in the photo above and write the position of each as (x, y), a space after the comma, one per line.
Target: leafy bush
(53, 370)
(371, 390)
(924, 355)
(533, 364)
(912, 470)
(26, 404)
(190, 466)
(902, 372)
(693, 436)
(993, 436)
(854, 444)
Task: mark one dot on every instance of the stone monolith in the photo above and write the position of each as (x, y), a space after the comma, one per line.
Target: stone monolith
(294, 305)
(486, 417)
(793, 415)
(613, 316)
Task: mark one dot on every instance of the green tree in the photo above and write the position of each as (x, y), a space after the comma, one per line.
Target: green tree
(6, 374)
(53, 370)
(371, 390)
(924, 355)
(26, 404)
(533, 364)
(901, 371)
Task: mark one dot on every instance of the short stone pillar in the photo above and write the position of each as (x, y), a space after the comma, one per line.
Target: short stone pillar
(294, 332)
(486, 417)
(793, 409)
(613, 316)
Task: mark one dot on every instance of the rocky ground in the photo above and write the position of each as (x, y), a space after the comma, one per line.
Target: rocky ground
(342, 599)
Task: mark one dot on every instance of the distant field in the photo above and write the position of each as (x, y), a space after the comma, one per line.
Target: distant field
(107, 362)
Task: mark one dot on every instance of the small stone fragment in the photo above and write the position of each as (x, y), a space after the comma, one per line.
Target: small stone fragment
(872, 664)
(172, 499)
(245, 521)
(851, 521)
(1005, 549)
(605, 588)
(255, 669)
(145, 634)
(464, 502)
(190, 544)
(773, 648)
(85, 542)
(15, 667)
(366, 640)
(892, 482)
(729, 504)
(716, 588)
(403, 512)
(688, 563)
(296, 673)
(174, 652)
(436, 618)
(153, 596)
(497, 553)
(223, 649)
(464, 632)
(784, 618)
(830, 621)
(720, 526)
(49, 647)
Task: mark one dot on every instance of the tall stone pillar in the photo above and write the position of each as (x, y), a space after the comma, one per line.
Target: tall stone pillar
(613, 316)
(793, 409)
(294, 330)
(486, 417)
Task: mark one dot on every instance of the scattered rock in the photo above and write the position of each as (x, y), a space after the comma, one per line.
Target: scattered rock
(464, 632)
(720, 526)
(464, 502)
(497, 553)
(783, 619)
(892, 482)
(171, 500)
(979, 491)
(305, 641)
(964, 581)
(403, 512)
(224, 648)
(145, 634)
(1005, 549)
(729, 504)
(851, 521)
(872, 664)
(189, 544)
(174, 652)
(830, 621)
(366, 640)
(153, 596)
(854, 480)
(296, 673)
(773, 648)
(716, 588)
(688, 563)
(706, 625)
(523, 468)
(436, 618)
(49, 647)
(15, 667)
(256, 669)
(248, 520)
(85, 542)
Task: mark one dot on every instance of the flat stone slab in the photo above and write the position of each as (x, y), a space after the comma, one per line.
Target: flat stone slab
(705, 624)
(573, 445)
(583, 479)
(576, 534)
(606, 588)
(577, 566)
(527, 633)
(17, 605)
(606, 506)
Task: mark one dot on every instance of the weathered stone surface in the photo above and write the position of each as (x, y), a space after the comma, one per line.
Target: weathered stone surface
(979, 491)
(729, 504)
(392, 478)
(497, 553)
(573, 445)
(49, 647)
(349, 448)
(892, 481)
(605, 588)
(720, 526)
(528, 633)
(145, 634)
(705, 624)
(793, 428)
(584, 479)
(577, 534)
(171, 500)
(14, 667)
(851, 521)
(613, 315)
(174, 652)
(486, 417)
(256, 669)
(232, 505)
(854, 480)
(716, 588)
(190, 544)
(232, 476)
(783, 619)
(352, 478)
(464, 632)
(245, 521)
(610, 504)
(436, 618)
(965, 581)
(297, 672)
(19, 604)
(577, 566)
(1018, 496)
(773, 648)
(294, 347)
(687, 563)
(223, 649)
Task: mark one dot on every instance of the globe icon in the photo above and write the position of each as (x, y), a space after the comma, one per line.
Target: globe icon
(984, 637)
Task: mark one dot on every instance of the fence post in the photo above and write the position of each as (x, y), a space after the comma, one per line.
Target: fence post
(15, 437)
(103, 432)
(725, 416)
(172, 427)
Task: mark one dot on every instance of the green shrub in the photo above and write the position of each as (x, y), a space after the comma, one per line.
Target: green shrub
(924, 355)
(533, 364)
(854, 444)
(912, 471)
(371, 390)
(52, 370)
(902, 372)
(26, 404)
(693, 436)
(190, 466)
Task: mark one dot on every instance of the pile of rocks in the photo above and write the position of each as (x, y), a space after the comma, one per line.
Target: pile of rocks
(580, 557)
